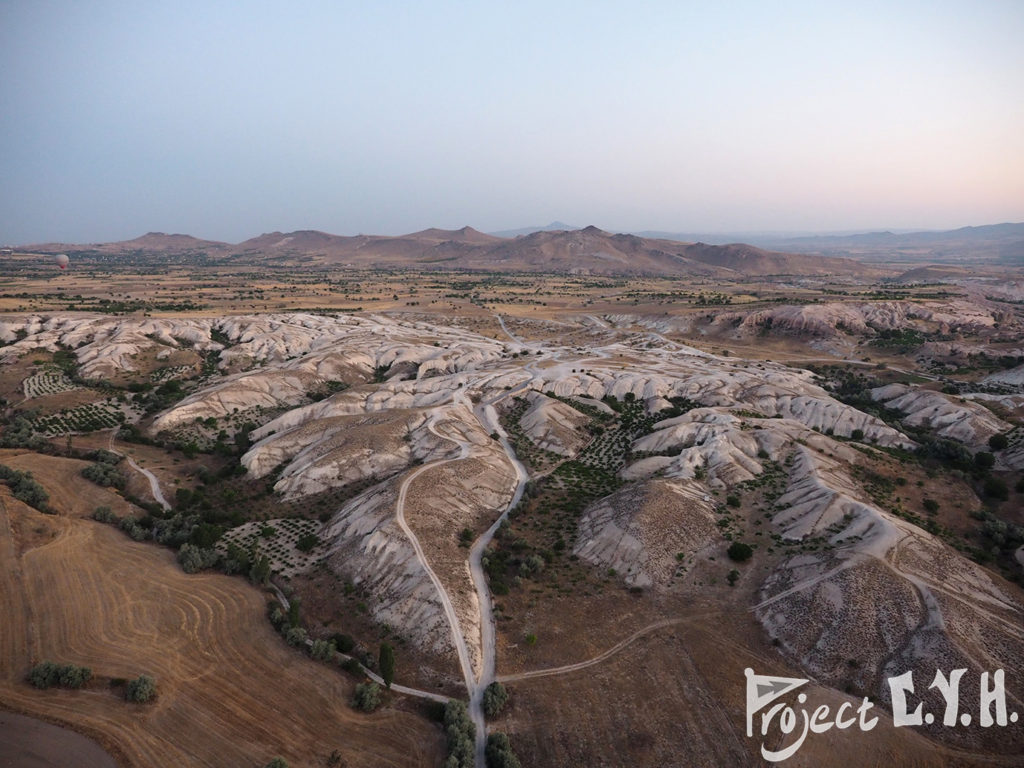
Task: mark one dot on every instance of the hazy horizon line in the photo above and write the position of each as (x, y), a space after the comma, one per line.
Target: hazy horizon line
(777, 233)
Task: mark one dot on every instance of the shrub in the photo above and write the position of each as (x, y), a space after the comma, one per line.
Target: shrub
(307, 543)
(277, 762)
(141, 689)
(931, 506)
(104, 475)
(739, 551)
(21, 433)
(499, 752)
(495, 698)
(104, 515)
(732, 500)
(996, 489)
(984, 460)
(732, 577)
(295, 636)
(998, 442)
(48, 674)
(857, 434)
(367, 697)
(460, 734)
(259, 573)
(131, 526)
(343, 643)
(44, 675)
(352, 666)
(24, 488)
(322, 650)
(194, 559)
(532, 565)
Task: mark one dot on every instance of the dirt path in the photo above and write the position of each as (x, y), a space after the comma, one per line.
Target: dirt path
(154, 484)
(596, 659)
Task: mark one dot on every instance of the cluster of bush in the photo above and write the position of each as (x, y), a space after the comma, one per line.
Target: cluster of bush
(20, 432)
(48, 675)
(194, 540)
(103, 471)
(495, 698)
(499, 752)
(25, 488)
(194, 559)
(460, 736)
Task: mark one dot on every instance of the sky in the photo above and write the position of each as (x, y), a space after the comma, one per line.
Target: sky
(225, 120)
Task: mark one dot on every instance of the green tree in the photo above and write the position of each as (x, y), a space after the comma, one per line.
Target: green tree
(386, 661)
(460, 734)
(277, 762)
(259, 573)
(499, 752)
(739, 551)
(996, 489)
(984, 460)
(344, 643)
(998, 442)
(44, 674)
(141, 689)
(295, 636)
(495, 698)
(322, 650)
(366, 697)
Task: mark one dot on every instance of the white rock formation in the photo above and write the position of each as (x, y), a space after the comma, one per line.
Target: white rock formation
(640, 529)
(554, 426)
(947, 416)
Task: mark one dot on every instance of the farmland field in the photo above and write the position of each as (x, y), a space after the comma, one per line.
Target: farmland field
(229, 691)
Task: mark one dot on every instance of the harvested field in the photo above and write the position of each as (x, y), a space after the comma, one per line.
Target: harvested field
(230, 692)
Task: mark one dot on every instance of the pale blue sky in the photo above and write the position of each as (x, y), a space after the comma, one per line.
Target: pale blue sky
(228, 119)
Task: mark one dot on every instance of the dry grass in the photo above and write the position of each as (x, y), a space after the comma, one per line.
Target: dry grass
(230, 691)
(675, 697)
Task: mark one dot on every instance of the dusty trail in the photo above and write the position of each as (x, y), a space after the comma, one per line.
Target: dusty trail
(600, 657)
(458, 636)
(154, 484)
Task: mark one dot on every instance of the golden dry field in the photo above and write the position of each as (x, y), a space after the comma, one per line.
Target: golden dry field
(230, 692)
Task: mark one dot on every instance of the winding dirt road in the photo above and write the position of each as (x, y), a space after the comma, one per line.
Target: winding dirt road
(154, 484)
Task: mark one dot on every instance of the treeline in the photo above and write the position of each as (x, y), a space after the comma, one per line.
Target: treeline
(25, 488)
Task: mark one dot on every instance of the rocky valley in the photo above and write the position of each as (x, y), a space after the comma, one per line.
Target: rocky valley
(549, 507)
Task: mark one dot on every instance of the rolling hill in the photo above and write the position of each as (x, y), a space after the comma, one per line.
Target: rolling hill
(584, 251)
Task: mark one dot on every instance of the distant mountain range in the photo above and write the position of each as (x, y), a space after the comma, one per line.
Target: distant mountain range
(994, 243)
(581, 251)
(560, 248)
(554, 226)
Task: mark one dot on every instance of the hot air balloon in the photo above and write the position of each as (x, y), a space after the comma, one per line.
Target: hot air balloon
(62, 260)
